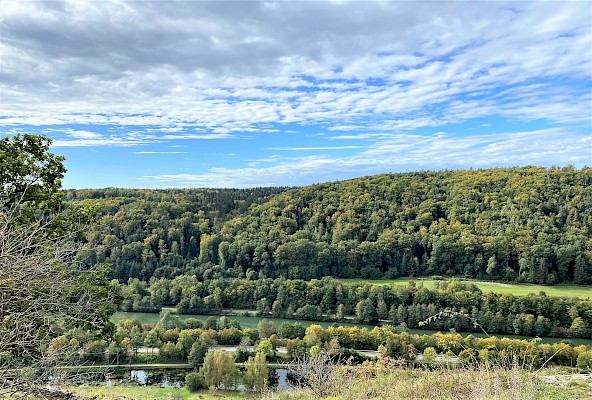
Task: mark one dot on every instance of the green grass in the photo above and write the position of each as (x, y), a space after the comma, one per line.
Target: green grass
(157, 393)
(583, 292)
(244, 321)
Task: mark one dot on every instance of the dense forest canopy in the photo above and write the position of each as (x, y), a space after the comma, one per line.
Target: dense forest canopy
(528, 224)
(144, 233)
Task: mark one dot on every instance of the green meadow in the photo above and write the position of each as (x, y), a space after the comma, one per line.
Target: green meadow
(244, 321)
(562, 290)
(157, 393)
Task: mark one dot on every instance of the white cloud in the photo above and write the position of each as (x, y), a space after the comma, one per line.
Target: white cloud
(79, 134)
(98, 142)
(380, 74)
(315, 148)
(403, 152)
(231, 66)
(160, 152)
(196, 136)
(362, 136)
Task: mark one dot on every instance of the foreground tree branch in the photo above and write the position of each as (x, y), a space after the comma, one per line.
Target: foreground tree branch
(43, 294)
(321, 373)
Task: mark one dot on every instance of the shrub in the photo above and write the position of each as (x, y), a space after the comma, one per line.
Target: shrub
(467, 357)
(585, 360)
(194, 382)
(193, 323)
(429, 354)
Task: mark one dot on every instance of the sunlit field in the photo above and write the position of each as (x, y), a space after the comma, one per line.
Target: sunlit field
(581, 291)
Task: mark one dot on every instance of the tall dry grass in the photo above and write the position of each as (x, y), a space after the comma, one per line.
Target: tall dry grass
(387, 380)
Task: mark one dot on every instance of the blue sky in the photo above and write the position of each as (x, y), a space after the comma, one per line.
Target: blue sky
(159, 94)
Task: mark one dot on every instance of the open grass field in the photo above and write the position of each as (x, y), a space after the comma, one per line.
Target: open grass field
(244, 321)
(583, 292)
(157, 393)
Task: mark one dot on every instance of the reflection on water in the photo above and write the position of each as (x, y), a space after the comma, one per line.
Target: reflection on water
(162, 378)
(176, 378)
(282, 382)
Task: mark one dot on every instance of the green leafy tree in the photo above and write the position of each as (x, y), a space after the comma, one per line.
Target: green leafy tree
(211, 323)
(168, 351)
(218, 369)
(168, 320)
(382, 309)
(584, 360)
(289, 330)
(94, 351)
(152, 340)
(266, 328)
(581, 271)
(580, 327)
(29, 174)
(256, 373)
(197, 353)
(266, 347)
(366, 312)
(340, 312)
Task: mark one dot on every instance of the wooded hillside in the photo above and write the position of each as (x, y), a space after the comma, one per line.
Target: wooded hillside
(526, 224)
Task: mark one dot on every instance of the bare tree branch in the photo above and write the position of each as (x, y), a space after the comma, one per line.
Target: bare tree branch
(324, 373)
(42, 294)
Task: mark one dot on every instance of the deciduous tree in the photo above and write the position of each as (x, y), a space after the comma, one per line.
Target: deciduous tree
(256, 373)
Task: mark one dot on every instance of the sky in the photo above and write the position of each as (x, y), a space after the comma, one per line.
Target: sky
(159, 94)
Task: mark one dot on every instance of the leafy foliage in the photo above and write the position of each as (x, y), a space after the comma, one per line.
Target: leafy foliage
(463, 303)
(256, 374)
(526, 224)
(161, 233)
(29, 174)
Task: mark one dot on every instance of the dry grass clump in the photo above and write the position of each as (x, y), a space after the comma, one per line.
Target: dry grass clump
(392, 381)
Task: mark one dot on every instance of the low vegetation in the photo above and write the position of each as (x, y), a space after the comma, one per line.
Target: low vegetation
(517, 289)
(484, 382)
(387, 380)
(126, 392)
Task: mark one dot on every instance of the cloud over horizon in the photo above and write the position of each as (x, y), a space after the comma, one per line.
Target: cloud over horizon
(356, 87)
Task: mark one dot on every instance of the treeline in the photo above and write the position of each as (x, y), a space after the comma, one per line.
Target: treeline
(526, 224)
(190, 340)
(330, 300)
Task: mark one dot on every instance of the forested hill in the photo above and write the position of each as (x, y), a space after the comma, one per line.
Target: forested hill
(527, 224)
(144, 233)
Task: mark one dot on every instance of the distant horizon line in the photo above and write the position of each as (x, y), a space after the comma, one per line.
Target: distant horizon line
(553, 167)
